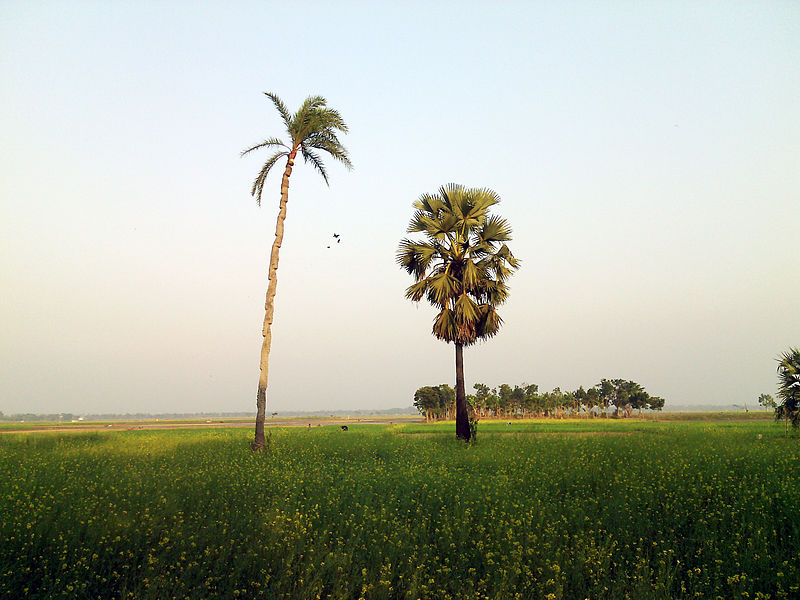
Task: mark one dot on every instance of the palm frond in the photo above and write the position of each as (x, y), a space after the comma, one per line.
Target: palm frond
(258, 184)
(789, 374)
(471, 274)
(466, 311)
(442, 287)
(415, 257)
(444, 326)
(490, 322)
(282, 110)
(271, 142)
(484, 198)
(430, 204)
(416, 291)
(327, 119)
(330, 144)
(495, 229)
(314, 159)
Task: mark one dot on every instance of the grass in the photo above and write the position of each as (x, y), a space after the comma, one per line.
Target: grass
(532, 510)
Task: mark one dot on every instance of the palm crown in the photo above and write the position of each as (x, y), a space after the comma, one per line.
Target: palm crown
(789, 373)
(789, 386)
(313, 127)
(462, 264)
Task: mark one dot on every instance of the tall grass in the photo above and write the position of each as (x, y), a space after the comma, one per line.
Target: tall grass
(532, 510)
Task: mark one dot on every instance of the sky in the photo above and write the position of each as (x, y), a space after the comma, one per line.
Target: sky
(647, 155)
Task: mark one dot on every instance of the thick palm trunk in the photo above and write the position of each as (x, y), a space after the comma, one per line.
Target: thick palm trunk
(462, 418)
(259, 442)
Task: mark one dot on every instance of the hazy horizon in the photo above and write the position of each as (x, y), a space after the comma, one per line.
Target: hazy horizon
(647, 157)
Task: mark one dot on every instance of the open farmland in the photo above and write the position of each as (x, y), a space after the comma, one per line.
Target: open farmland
(572, 509)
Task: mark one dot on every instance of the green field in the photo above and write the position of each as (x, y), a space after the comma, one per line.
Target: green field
(571, 509)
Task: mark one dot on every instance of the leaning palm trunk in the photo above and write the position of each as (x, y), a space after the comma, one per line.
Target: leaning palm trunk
(259, 442)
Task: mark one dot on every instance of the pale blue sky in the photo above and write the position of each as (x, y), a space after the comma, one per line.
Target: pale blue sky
(647, 154)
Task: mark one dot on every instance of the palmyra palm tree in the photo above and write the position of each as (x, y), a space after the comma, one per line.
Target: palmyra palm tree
(460, 266)
(789, 388)
(312, 128)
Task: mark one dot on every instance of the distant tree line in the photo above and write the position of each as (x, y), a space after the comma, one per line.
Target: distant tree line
(611, 396)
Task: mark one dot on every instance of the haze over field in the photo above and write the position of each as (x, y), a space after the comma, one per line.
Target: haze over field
(648, 158)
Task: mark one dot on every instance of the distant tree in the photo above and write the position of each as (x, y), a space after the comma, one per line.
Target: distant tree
(482, 396)
(767, 401)
(314, 127)
(593, 400)
(447, 401)
(472, 404)
(624, 392)
(655, 403)
(580, 397)
(435, 402)
(556, 401)
(518, 400)
(426, 401)
(461, 267)
(529, 402)
(570, 403)
(639, 400)
(505, 392)
(789, 388)
(607, 394)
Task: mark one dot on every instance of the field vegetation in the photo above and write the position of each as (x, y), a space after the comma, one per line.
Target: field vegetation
(536, 509)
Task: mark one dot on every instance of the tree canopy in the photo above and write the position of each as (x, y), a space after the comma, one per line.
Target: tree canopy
(789, 387)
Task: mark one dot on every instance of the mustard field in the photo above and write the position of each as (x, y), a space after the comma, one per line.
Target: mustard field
(533, 510)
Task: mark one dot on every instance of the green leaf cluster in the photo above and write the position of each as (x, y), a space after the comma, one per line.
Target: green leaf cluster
(789, 387)
(460, 261)
(311, 129)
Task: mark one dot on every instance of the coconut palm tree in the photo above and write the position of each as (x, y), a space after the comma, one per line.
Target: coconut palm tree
(789, 388)
(314, 127)
(460, 266)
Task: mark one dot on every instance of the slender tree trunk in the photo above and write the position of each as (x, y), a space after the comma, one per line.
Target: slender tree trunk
(259, 442)
(462, 418)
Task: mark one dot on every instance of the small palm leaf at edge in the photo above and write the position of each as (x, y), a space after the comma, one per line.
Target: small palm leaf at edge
(281, 107)
(271, 142)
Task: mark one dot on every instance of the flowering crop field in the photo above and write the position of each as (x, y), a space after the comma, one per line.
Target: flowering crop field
(573, 509)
